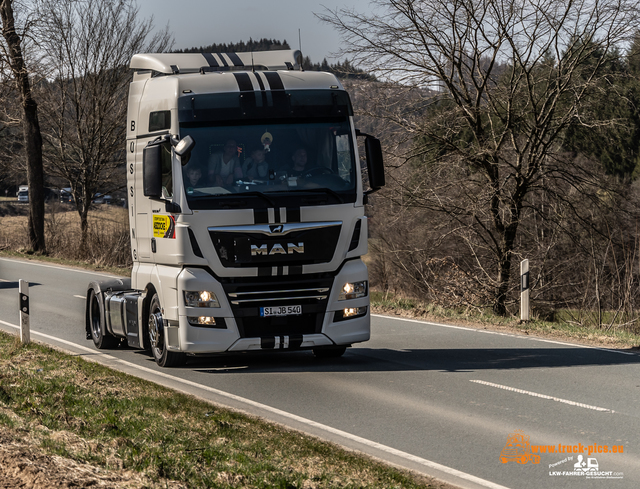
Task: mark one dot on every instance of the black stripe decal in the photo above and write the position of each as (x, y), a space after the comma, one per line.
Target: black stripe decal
(295, 341)
(260, 82)
(279, 97)
(235, 59)
(276, 215)
(261, 216)
(275, 82)
(265, 101)
(244, 82)
(224, 62)
(295, 270)
(264, 271)
(210, 59)
(293, 214)
(280, 271)
(268, 343)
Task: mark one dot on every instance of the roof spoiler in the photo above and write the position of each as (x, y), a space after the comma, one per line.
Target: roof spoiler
(174, 63)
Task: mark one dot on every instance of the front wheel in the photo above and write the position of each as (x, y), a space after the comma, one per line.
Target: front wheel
(158, 338)
(95, 318)
(329, 351)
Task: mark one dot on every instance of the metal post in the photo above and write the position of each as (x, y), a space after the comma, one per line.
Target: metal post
(25, 335)
(524, 290)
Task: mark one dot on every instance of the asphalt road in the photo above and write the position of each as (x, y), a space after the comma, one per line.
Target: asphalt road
(440, 399)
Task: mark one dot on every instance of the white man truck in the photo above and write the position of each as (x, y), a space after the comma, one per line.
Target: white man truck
(246, 211)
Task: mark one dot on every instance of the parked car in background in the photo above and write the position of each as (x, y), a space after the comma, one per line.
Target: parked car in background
(66, 196)
(23, 193)
(101, 199)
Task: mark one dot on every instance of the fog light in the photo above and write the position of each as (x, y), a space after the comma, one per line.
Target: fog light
(354, 311)
(353, 290)
(349, 313)
(202, 321)
(202, 298)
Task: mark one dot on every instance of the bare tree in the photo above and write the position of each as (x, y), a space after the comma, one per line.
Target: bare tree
(89, 44)
(12, 54)
(499, 83)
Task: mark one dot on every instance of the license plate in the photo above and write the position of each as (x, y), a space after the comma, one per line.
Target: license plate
(280, 311)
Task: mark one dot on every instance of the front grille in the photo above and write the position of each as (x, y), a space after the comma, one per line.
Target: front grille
(247, 297)
(292, 244)
(279, 297)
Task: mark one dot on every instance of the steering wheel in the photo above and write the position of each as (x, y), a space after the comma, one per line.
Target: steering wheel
(318, 170)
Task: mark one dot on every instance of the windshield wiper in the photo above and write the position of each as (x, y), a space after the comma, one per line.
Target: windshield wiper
(234, 197)
(254, 193)
(323, 190)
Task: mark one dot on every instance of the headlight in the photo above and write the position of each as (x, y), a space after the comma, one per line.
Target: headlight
(202, 298)
(353, 290)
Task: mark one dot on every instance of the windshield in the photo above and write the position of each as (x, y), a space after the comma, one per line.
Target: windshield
(269, 160)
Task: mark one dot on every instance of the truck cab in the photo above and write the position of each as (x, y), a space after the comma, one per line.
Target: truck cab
(246, 209)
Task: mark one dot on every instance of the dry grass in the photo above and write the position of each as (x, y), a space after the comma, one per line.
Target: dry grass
(108, 244)
(90, 416)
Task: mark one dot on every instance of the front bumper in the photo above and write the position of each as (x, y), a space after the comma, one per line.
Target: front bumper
(244, 329)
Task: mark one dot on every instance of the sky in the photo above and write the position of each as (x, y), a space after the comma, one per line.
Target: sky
(196, 23)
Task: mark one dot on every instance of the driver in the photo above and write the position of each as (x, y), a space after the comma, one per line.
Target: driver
(299, 163)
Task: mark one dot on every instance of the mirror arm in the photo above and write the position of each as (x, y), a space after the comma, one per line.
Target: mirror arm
(359, 133)
(169, 205)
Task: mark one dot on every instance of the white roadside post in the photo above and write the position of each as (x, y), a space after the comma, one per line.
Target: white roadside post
(524, 290)
(25, 335)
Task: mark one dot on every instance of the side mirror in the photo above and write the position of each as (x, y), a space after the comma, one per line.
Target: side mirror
(183, 148)
(375, 163)
(152, 170)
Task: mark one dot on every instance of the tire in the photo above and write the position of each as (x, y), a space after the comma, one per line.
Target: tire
(157, 338)
(95, 320)
(329, 351)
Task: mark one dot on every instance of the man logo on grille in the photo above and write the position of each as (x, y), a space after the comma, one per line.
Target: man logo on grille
(276, 229)
(277, 249)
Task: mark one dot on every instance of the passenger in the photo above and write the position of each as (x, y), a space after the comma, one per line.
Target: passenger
(193, 178)
(256, 167)
(224, 167)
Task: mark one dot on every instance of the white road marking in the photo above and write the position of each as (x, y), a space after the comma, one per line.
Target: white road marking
(510, 335)
(61, 267)
(544, 396)
(294, 417)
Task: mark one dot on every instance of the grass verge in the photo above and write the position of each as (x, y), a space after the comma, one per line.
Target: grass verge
(79, 410)
(563, 328)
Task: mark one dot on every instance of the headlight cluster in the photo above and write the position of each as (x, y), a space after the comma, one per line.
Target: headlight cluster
(353, 290)
(202, 298)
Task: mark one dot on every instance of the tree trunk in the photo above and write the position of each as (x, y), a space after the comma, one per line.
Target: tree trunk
(504, 263)
(504, 275)
(30, 129)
